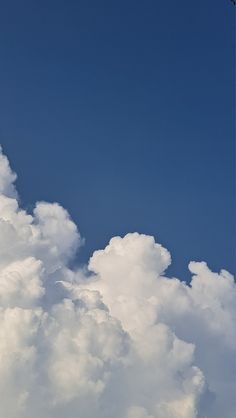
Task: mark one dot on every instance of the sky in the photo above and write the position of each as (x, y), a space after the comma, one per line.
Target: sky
(124, 113)
(117, 206)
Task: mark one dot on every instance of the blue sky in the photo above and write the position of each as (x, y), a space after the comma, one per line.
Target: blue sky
(124, 113)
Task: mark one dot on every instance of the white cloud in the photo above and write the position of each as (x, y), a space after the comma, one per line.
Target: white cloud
(122, 341)
(7, 177)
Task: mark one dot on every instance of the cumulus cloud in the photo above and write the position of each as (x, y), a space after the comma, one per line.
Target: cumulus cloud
(120, 339)
(7, 177)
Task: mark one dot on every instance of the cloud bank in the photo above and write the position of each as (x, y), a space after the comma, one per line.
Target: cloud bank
(118, 340)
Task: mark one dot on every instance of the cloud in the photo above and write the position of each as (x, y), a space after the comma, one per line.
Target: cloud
(121, 339)
(7, 177)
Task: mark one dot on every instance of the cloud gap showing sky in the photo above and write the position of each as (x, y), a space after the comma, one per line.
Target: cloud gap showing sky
(117, 338)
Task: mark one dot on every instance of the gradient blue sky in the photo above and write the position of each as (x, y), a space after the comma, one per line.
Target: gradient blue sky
(123, 111)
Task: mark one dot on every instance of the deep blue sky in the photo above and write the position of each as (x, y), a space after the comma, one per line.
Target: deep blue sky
(123, 111)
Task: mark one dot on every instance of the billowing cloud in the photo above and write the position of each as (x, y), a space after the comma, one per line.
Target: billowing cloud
(118, 340)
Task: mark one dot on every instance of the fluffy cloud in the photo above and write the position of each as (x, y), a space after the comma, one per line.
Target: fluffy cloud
(121, 339)
(7, 177)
